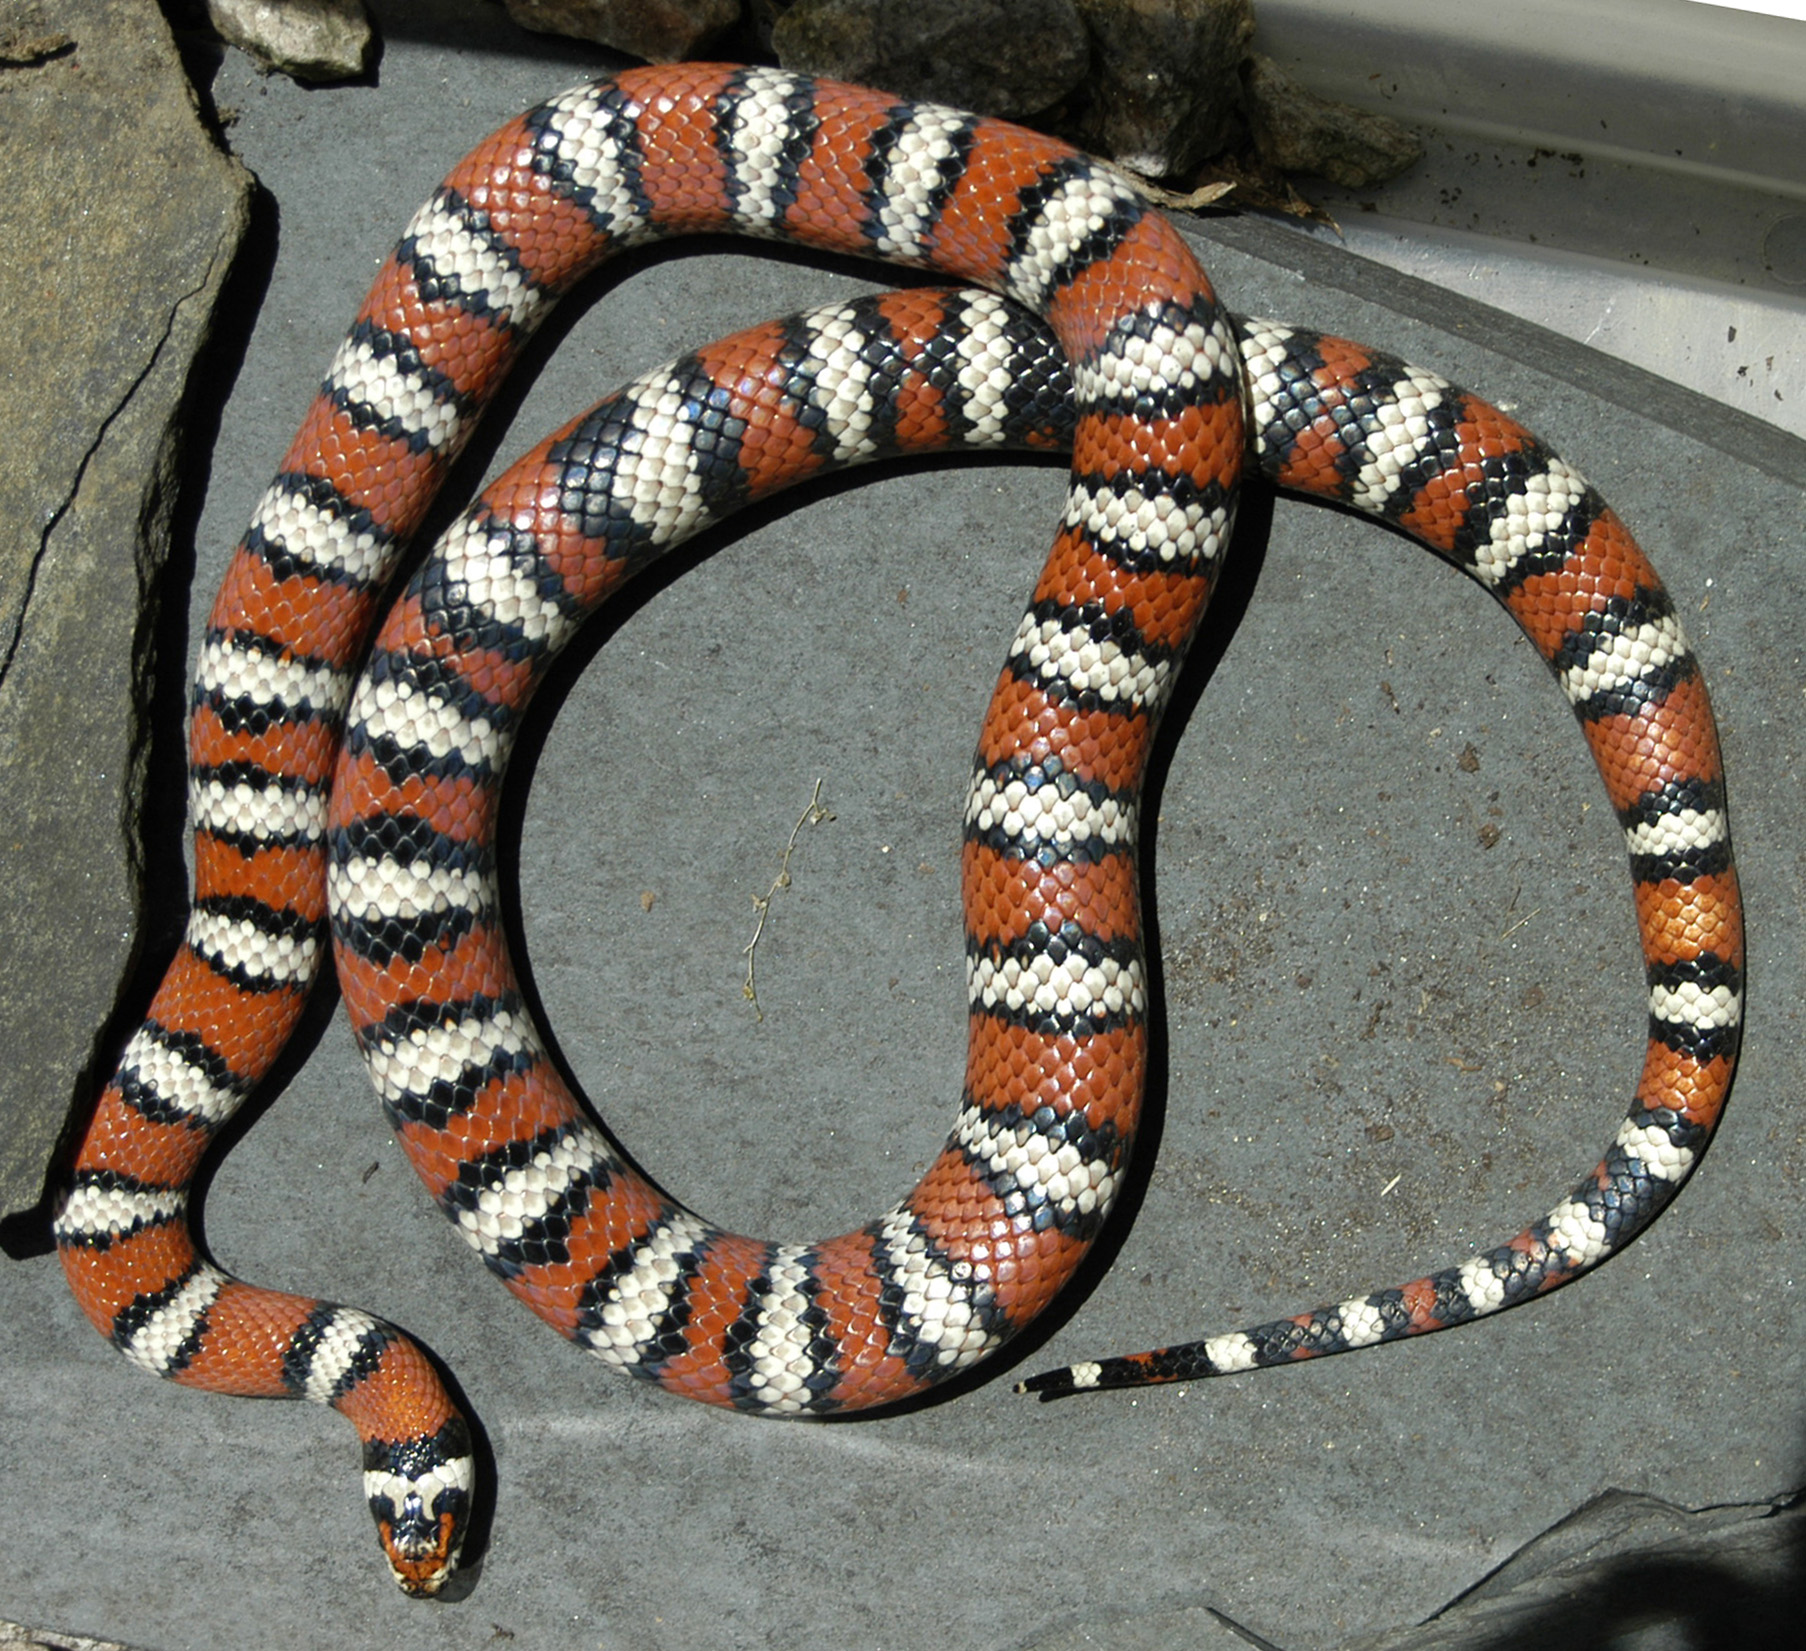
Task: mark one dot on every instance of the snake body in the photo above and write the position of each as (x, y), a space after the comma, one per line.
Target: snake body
(1150, 384)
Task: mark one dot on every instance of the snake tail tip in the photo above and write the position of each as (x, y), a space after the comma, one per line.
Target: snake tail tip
(1063, 1383)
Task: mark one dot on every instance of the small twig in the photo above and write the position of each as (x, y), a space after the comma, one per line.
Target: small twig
(814, 814)
(1191, 200)
(1183, 200)
(1528, 916)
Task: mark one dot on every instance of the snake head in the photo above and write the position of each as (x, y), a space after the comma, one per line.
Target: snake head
(419, 1492)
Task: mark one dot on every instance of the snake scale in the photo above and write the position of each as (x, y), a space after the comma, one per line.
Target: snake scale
(325, 801)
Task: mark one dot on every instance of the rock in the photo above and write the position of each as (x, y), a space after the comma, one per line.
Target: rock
(661, 31)
(1297, 131)
(117, 225)
(312, 40)
(15, 1637)
(946, 50)
(762, 17)
(1629, 1567)
(1166, 87)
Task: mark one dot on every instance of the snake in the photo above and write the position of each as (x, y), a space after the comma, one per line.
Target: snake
(344, 790)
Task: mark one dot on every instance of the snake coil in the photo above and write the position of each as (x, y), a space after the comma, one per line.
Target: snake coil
(325, 801)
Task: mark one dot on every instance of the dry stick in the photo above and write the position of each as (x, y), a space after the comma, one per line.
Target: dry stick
(814, 814)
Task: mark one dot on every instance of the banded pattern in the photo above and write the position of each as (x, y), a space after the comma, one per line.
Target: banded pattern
(1401, 432)
(655, 153)
(1336, 420)
(1056, 975)
(509, 1154)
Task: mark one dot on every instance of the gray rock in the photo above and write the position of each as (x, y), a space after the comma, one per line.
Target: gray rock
(946, 50)
(661, 31)
(313, 40)
(1166, 86)
(15, 1637)
(108, 302)
(1623, 1569)
(763, 15)
(1671, 1576)
(1298, 131)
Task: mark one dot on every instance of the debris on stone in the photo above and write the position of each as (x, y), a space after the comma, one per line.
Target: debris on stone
(1257, 186)
(25, 42)
(1179, 200)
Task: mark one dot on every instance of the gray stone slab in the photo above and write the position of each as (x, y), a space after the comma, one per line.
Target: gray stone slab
(1384, 1043)
(16, 1637)
(117, 224)
(1639, 1574)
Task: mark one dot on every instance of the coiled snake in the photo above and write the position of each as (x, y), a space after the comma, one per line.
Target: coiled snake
(1163, 400)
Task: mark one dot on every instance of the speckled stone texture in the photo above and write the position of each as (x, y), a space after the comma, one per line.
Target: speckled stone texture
(117, 226)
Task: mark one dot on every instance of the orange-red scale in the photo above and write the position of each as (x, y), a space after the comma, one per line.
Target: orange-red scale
(1005, 897)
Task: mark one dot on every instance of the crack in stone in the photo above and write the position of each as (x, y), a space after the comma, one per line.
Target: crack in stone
(54, 515)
